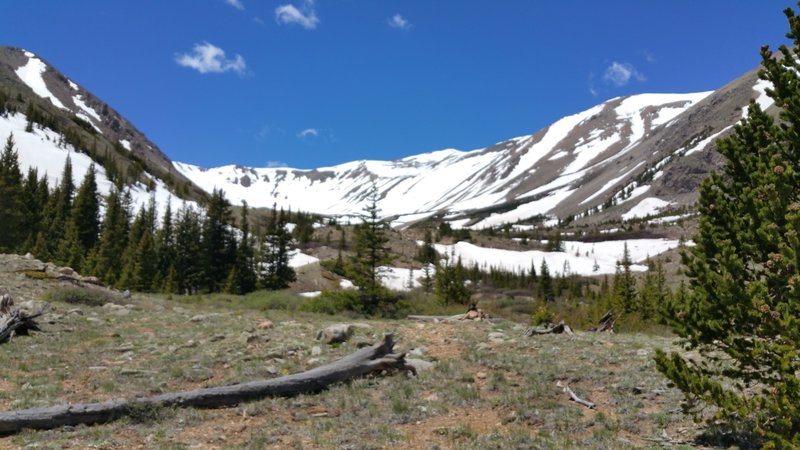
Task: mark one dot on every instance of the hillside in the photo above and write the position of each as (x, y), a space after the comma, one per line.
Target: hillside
(52, 117)
(648, 150)
(485, 384)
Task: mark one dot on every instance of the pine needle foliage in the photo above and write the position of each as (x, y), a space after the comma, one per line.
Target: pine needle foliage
(741, 313)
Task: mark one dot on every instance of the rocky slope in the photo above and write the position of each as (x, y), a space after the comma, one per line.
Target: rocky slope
(601, 162)
(73, 122)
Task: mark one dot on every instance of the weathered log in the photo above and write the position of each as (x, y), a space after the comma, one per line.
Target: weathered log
(553, 329)
(367, 360)
(13, 321)
(436, 318)
(606, 323)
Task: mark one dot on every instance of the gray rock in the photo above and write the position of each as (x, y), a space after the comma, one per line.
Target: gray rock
(316, 350)
(419, 364)
(335, 334)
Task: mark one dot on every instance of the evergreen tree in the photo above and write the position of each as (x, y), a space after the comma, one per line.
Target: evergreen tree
(276, 272)
(654, 291)
(35, 193)
(218, 243)
(86, 211)
(244, 278)
(741, 312)
(188, 266)
(11, 196)
(165, 254)
(105, 261)
(426, 254)
(139, 258)
(58, 210)
(370, 253)
(449, 284)
(545, 288)
(624, 284)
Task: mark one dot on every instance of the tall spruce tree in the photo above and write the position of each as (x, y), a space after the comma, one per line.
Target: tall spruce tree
(35, 193)
(741, 313)
(105, 260)
(188, 251)
(370, 253)
(243, 279)
(276, 273)
(86, 211)
(58, 211)
(624, 284)
(11, 196)
(219, 245)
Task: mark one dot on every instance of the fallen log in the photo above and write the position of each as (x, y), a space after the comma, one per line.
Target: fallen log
(553, 329)
(375, 358)
(13, 321)
(436, 318)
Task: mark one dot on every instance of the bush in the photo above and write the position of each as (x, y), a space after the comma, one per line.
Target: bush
(80, 296)
(542, 316)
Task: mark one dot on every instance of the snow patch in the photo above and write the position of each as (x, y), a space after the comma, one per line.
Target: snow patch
(31, 74)
(647, 207)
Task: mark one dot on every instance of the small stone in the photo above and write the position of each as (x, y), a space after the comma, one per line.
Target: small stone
(272, 370)
(419, 364)
(266, 325)
(483, 346)
(496, 335)
(481, 375)
(246, 338)
(418, 351)
(316, 350)
(216, 337)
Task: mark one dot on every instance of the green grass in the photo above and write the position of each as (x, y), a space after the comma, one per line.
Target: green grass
(158, 347)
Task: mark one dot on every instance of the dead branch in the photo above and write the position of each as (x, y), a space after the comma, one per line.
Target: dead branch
(376, 358)
(552, 329)
(574, 397)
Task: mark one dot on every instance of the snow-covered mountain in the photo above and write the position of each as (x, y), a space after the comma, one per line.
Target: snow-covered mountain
(71, 122)
(627, 156)
(624, 158)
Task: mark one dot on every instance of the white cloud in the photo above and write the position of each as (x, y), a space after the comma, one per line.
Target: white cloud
(399, 22)
(208, 58)
(308, 133)
(305, 16)
(620, 74)
(236, 4)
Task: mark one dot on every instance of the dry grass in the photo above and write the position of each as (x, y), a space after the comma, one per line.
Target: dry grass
(483, 392)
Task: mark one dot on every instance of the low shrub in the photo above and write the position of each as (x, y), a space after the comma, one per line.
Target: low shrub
(80, 295)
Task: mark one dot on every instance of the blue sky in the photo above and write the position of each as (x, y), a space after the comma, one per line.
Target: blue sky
(314, 83)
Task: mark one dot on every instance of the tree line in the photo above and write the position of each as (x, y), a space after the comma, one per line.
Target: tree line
(187, 251)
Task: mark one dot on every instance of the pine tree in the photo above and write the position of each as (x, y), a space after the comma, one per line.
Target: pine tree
(11, 196)
(624, 284)
(218, 243)
(188, 251)
(105, 261)
(654, 291)
(59, 209)
(86, 211)
(244, 279)
(370, 253)
(35, 193)
(450, 282)
(276, 272)
(165, 254)
(545, 288)
(741, 312)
